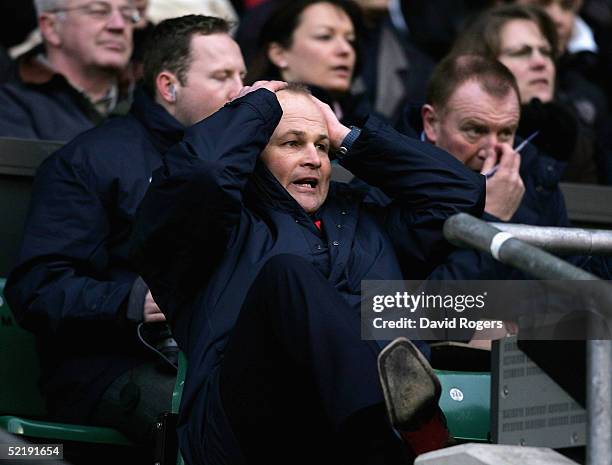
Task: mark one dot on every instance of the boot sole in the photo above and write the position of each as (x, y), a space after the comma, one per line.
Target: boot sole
(410, 386)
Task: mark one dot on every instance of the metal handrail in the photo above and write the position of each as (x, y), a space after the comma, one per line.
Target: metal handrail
(562, 241)
(464, 230)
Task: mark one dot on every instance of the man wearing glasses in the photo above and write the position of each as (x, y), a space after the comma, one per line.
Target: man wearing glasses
(71, 84)
(105, 349)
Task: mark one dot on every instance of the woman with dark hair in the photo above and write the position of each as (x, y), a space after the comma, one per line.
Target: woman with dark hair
(524, 38)
(314, 42)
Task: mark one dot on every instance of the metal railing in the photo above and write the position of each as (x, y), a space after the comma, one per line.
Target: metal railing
(464, 230)
(562, 241)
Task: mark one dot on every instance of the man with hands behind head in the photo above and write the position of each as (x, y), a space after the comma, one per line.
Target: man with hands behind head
(257, 260)
(73, 285)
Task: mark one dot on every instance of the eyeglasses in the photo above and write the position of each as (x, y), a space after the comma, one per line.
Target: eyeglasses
(103, 11)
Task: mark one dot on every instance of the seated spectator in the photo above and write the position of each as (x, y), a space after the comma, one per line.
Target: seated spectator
(314, 42)
(573, 34)
(396, 70)
(73, 285)
(581, 77)
(473, 112)
(72, 84)
(524, 39)
(257, 261)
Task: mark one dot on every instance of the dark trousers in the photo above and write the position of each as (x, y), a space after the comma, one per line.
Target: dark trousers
(134, 400)
(297, 383)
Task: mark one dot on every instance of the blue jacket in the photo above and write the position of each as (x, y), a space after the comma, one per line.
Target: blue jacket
(38, 103)
(53, 111)
(214, 215)
(542, 205)
(73, 282)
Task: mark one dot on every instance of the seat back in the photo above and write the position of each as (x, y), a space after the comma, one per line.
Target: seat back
(466, 403)
(19, 367)
(19, 160)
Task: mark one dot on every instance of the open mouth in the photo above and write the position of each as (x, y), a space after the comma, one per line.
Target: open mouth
(306, 183)
(342, 69)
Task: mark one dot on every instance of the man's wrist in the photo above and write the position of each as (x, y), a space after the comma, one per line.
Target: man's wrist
(342, 133)
(349, 137)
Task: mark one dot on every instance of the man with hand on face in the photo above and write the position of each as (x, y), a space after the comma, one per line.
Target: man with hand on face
(257, 261)
(472, 112)
(73, 285)
(72, 83)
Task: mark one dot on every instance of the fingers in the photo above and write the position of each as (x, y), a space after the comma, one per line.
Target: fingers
(337, 131)
(245, 90)
(272, 86)
(324, 107)
(490, 160)
(154, 318)
(509, 159)
(151, 312)
(275, 86)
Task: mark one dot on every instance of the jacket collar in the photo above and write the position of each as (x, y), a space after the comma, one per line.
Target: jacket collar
(264, 193)
(34, 71)
(164, 128)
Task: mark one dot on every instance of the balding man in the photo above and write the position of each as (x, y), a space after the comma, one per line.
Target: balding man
(472, 112)
(257, 260)
(72, 83)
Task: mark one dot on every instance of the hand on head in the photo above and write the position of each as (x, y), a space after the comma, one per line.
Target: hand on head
(505, 187)
(337, 131)
(272, 86)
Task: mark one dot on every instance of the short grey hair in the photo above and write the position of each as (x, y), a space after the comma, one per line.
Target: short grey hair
(43, 6)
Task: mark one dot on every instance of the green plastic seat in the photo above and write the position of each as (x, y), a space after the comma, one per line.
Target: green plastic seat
(466, 403)
(178, 393)
(22, 409)
(180, 382)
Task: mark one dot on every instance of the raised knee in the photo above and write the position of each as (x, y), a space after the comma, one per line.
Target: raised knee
(287, 262)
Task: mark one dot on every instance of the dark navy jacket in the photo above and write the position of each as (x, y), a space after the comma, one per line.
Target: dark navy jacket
(214, 215)
(39, 103)
(51, 111)
(72, 282)
(542, 205)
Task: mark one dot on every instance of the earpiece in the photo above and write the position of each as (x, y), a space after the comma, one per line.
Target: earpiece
(173, 92)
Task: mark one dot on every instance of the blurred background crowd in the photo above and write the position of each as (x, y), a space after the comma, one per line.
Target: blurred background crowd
(382, 53)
